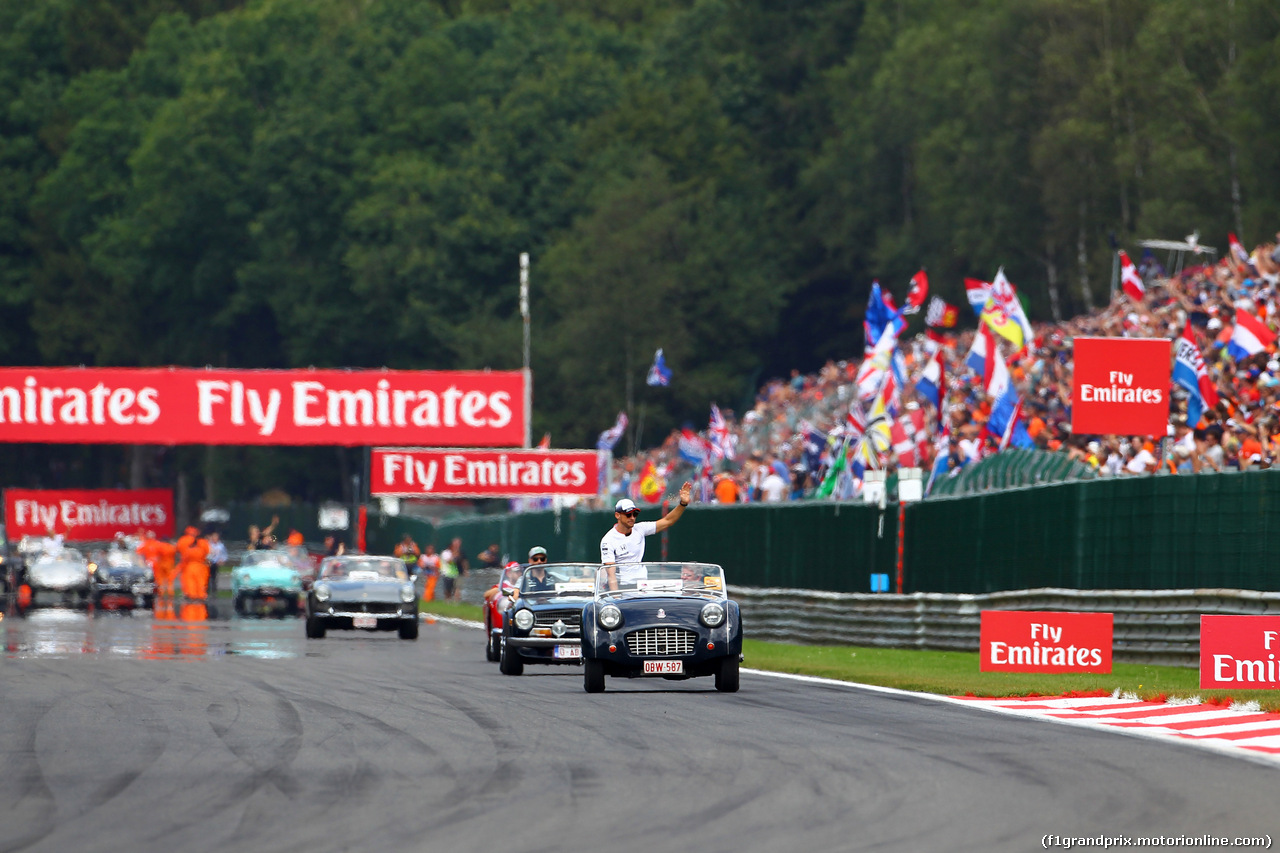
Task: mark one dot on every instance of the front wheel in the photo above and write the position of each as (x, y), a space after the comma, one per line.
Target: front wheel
(409, 630)
(727, 675)
(315, 628)
(593, 675)
(509, 662)
(493, 649)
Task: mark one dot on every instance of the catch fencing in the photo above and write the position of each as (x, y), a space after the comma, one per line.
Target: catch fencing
(1150, 626)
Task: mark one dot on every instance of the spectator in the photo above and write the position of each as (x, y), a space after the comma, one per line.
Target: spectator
(773, 487)
(217, 559)
(407, 551)
(429, 568)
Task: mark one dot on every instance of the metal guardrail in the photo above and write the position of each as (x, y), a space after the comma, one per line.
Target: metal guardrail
(1150, 626)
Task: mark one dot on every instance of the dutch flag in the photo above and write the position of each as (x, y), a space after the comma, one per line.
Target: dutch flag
(931, 380)
(1249, 337)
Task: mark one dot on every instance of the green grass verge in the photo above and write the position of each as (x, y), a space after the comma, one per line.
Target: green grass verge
(952, 673)
(454, 609)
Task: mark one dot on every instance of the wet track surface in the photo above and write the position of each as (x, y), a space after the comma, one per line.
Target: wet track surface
(177, 732)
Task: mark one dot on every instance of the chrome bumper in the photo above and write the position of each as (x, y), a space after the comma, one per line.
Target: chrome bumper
(542, 642)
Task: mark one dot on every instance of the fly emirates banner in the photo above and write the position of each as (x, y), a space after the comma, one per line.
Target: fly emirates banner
(284, 407)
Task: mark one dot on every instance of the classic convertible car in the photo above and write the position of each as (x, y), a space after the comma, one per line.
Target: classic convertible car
(121, 578)
(59, 577)
(266, 579)
(362, 592)
(544, 624)
(668, 620)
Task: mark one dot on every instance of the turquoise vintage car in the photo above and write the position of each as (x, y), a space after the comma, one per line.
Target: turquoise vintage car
(266, 578)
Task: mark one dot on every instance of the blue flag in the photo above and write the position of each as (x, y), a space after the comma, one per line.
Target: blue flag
(659, 373)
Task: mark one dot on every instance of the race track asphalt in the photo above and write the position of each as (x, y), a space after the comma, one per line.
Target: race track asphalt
(130, 733)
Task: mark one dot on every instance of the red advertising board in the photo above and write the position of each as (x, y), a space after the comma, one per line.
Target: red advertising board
(458, 473)
(1240, 652)
(1032, 641)
(1121, 385)
(280, 407)
(82, 515)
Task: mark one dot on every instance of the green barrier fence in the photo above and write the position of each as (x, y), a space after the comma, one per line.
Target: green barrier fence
(1206, 531)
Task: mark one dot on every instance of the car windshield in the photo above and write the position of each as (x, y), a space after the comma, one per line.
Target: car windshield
(559, 580)
(263, 558)
(364, 568)
(119, 559)
(640, 579)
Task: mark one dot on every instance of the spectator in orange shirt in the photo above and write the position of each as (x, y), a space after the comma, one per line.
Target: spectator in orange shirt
(726, 489)
(295, 538)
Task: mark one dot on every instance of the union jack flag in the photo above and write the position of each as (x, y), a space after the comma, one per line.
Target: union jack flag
(724, 444)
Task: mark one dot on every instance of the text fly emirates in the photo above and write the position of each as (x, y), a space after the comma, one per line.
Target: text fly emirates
(313, 405)
(1119, 391)
(459, 471)
(1044, 655)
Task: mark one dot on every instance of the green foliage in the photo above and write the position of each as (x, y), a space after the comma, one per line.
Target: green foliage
(282, 183)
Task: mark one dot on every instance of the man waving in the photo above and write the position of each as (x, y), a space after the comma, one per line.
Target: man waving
(623, 544)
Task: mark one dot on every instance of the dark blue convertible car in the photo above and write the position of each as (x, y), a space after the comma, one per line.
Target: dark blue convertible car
(544, 623)
(661, 620)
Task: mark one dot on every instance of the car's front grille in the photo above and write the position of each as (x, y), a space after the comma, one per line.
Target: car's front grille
(369, 606)
(648, 642)
(547, 618)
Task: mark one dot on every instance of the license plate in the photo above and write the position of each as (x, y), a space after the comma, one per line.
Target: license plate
(664, 667)
(364, 621)
(567, 652)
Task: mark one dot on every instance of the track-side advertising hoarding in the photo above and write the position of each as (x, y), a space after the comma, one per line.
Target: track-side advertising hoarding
(83, 515)
(278, 407)
(1033, 641)
(462, 473)
(1240, 652)
(1121, 385)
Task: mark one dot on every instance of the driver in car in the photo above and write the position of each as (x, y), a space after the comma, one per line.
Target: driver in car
(536, 579)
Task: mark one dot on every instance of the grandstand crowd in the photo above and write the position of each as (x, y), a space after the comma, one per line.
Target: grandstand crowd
(785, 445)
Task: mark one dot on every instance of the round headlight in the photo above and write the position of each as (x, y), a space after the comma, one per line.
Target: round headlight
(244, 577)
(523, 619)
(322, 592)
(406, 593)
(610, 617)
(712, 615)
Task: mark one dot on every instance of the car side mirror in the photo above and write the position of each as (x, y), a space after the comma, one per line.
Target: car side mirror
(512, 593)
(413, 578)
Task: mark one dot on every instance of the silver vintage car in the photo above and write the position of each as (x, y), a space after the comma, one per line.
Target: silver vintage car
(360, 592)
(61, 576)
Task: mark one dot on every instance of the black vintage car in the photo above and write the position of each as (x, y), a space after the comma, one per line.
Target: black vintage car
(362, 593)
(544, 623)
(662, 620)
(121, 578)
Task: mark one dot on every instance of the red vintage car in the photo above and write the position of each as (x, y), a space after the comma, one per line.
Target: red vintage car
(496, 602)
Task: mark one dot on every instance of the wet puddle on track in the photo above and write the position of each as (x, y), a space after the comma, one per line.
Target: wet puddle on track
(174, 630)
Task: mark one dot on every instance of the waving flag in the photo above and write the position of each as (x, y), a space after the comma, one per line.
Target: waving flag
(916, 296)
(1005, 421)
(881, 361)
(545, 444)
(1237, 250)
(978, 292)
(1249, 337)
(932, 380)
(659, 373)
(609, 438)
(910, 439)
(880, 315)
(940, 315)
(693, 448)
(724, 444)
(984, 345)
(1130, 280)
(1190, 373)
(651, 483)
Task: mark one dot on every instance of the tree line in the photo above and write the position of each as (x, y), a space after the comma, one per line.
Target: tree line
(349, 183)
